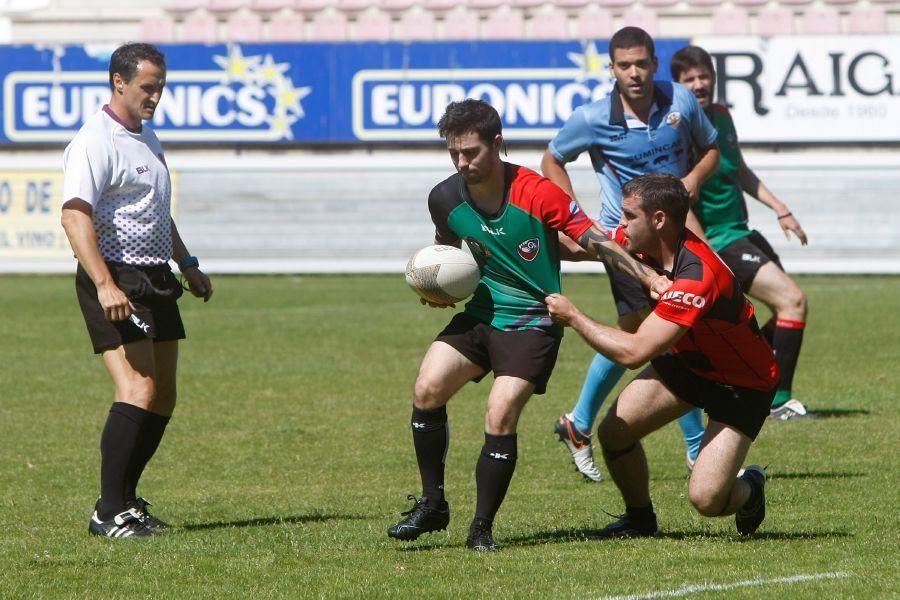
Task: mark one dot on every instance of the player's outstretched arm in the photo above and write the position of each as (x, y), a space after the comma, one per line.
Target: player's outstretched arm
(706, 165)
(751, 184)
(614, 256)
(198, 282)
(555, 171)
(653, 337)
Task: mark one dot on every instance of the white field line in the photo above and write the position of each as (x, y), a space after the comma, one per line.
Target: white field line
(717, 587)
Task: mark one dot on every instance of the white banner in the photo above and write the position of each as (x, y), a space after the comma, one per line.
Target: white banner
(810, 89)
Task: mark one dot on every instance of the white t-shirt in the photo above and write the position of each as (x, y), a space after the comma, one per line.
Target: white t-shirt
(122, 174)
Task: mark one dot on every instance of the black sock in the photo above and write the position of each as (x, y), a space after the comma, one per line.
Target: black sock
(431, 437)
(493, 472)
(147, 443)
(640, 512)
(768, 330)
(117, 444)
(786, 343)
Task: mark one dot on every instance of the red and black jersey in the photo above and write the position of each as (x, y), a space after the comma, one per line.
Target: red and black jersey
(724, 342)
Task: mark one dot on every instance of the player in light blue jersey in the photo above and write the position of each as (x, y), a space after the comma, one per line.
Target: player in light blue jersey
(643, 126)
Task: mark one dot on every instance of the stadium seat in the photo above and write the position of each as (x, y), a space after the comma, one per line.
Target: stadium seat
(527, 5)
(312, 6)
(183, 6)
(593, 23)
(820, 20)
(658, 3)
(415, 24)
(704, 2)
(441, 6)
(842, 2)
(549, 23)
(353, 6)
(485, 5)
(373, 25)
(615, 3)
(571, 4)
(200, 28)
(730, 21)
(328, 26)
(158, 30)
(645, 19)
(460, 24)
(504, 23)
(243, 28)
(775, 21)
(750, 2)
(396, 6)
(795, 2)
(224, 6)
(269, 6)
(871, 19)
(286, 28)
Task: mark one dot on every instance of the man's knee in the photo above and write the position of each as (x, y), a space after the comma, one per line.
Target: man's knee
(708, 500)
(615, 437)
(140, 391)
(429, 393)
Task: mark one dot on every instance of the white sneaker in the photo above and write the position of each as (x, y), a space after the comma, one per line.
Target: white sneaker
(690, 461)
(579, 444)
(792, 409)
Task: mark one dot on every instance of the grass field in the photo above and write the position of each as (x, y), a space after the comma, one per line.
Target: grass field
(290, 455)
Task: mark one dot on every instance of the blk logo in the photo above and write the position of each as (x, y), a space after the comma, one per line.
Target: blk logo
(143, 169)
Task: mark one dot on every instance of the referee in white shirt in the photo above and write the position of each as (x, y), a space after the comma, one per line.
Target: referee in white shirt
(117, 216)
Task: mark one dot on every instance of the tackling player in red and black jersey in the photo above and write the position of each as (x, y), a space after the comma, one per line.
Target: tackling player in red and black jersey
(705, 350)
(509, 216)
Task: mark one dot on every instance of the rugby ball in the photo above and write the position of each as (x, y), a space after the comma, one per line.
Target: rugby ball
(442, 274)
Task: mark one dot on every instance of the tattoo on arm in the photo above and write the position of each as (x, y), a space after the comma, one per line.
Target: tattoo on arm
(615, 256)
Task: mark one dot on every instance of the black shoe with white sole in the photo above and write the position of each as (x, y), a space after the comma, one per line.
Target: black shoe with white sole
(151, 522)
(423, 517)
(126, 524)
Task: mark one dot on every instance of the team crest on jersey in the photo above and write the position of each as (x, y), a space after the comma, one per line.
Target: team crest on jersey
(529, 249)
(574, 208)
(673, 119)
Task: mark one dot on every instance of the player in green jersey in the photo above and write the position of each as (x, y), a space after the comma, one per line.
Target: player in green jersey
(509, 216)
(722, 211)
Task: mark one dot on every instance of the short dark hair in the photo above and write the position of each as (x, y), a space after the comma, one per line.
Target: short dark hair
(690, 57)
(631, 37)
(125, 59)
(660, 191)
(469, 115)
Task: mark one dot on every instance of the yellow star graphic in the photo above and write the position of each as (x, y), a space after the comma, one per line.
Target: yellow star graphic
(270, 72)
(237, 67)
(289, 97)
(592, 63)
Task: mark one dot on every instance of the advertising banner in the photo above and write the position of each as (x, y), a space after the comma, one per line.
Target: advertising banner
(312, 93)
(810, 88)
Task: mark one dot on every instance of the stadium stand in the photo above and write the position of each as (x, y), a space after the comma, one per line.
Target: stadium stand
(213, 21)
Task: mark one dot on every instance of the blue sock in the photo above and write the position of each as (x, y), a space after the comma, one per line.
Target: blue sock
(602, 377)
(692, 428)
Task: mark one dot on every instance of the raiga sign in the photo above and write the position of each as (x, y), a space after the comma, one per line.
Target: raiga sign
(312, 93)
(810, 89)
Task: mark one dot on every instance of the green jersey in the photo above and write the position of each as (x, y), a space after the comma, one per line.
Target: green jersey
(517, 248)
(721, 209)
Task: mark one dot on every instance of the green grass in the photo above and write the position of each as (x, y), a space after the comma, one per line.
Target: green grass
(290, 455)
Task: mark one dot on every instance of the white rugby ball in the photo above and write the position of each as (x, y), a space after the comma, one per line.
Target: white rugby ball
(443, 274)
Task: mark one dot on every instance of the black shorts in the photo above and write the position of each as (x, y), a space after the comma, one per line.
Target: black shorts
(628, 293)
(746, 256)
(528, 354)
(153, 291)
(742, 408)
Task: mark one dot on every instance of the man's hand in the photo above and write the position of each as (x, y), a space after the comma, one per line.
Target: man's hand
(659, 286)
(198, 283)
(436, 304)
(692, 185)
(562, 311)
(116, 305)
(790, 225)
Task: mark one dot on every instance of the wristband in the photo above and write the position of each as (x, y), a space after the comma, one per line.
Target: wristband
(784, 216)
(187, 263)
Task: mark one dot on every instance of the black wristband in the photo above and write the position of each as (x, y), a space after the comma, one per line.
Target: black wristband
(187, 263)
(785, 215)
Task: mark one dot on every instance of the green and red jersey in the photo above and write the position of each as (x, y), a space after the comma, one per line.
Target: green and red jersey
(517, 248)
(721, 208)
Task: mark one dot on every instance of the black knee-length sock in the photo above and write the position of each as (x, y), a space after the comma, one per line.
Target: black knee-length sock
(493, 472)
(431, 437)
(150, 436)
(117, 444)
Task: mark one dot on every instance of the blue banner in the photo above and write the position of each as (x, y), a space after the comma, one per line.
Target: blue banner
(313, 93)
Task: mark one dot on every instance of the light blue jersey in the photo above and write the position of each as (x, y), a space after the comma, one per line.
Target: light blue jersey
(622, 148)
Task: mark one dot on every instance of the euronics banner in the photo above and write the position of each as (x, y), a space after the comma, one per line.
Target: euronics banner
(794, 89)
